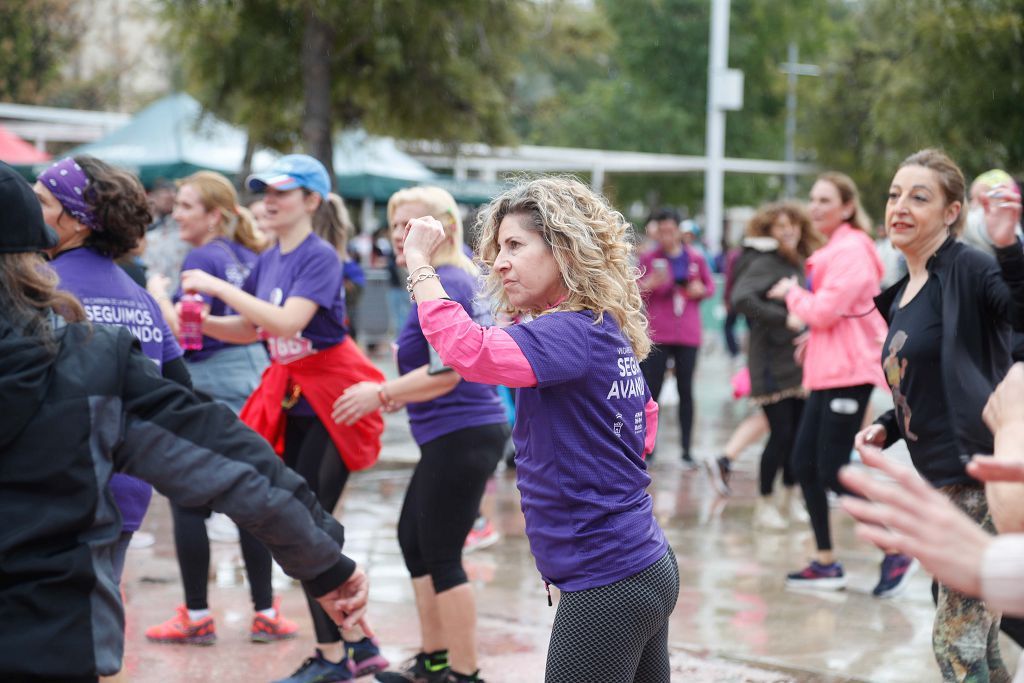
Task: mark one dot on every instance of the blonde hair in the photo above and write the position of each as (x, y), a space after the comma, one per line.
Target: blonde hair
(216, 193)
(591, 242)
(441, 205)
(333, 224)
(761, 225)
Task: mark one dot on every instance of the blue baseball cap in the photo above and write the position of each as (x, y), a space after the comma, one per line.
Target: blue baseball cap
(292, 171)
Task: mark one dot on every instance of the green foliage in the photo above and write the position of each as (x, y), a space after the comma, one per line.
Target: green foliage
(401, 67)
(35, 37)
(923, 73)
(647, 89)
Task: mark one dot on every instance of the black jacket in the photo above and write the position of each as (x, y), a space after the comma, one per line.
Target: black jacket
(72, 416)
(770, 356)
(981, 302)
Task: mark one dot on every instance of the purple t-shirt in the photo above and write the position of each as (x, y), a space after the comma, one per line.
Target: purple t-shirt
(224, 259)
(311, 271)
(579, 437)
(110, 297)
(467, 405)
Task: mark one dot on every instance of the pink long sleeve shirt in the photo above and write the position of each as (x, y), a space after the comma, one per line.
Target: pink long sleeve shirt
(489, 355)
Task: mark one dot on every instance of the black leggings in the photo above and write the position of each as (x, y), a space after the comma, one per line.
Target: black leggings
(783, 421)
(443, 500)
(617, 632)
(831, 420)
(653, 368)
(193, 547)
(308, 450)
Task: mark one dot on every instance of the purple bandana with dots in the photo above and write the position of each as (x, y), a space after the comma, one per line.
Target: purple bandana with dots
(68, 182)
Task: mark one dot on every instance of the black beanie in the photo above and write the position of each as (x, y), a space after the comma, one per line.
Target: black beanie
(21, 218)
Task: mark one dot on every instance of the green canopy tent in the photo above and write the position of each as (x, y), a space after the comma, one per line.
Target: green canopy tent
(173, 138)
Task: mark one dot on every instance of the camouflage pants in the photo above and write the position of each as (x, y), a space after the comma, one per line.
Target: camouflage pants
(965, 637)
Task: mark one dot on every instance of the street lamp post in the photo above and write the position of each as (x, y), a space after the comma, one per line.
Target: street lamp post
(793, 69)
(725, 93)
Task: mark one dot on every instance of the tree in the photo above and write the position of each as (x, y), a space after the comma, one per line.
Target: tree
(400, 67)
(651, 93)
(923, 73)
(35, 37)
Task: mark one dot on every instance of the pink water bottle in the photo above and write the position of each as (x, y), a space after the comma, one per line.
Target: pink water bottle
(190, 322)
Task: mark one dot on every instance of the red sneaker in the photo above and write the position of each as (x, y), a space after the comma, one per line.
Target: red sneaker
(180, 629)
(267, 630)
(482, 535)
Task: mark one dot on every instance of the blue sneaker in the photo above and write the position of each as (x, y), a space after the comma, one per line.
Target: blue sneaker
(319, 670)
(896, 573)
(364, 657)
(815, 576)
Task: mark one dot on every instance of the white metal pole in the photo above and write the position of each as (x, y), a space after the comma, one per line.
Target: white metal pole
(718, 57)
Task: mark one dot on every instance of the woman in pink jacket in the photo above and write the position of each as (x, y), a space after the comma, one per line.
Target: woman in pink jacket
(840, 364)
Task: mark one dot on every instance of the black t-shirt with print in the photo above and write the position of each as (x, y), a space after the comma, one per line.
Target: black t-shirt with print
(912, 362)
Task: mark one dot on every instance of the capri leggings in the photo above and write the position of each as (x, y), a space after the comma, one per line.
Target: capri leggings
(831, 420)
(443, 500)
(617, 632)
(309, 451)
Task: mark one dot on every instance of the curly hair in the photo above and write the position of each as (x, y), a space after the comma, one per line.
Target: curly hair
(119, 202)
(591, 242)
(761, 225)
(442, 206)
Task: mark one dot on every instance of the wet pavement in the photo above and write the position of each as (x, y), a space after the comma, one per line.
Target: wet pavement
(734, 621)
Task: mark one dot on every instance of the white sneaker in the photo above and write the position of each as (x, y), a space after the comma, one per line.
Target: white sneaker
(140, 540)
(767, 516)
(794, 506)
(220, 529)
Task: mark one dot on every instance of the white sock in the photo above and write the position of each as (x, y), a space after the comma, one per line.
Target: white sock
(270, 613)
(197, 614)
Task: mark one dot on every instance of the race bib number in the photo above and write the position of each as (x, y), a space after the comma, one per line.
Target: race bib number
(288, 349)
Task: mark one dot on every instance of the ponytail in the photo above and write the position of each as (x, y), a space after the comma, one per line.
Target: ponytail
(245, 232)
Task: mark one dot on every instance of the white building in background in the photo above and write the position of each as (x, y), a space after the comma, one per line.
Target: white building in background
(123, 39)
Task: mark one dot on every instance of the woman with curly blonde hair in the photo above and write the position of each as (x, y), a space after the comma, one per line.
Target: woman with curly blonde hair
(559, 258)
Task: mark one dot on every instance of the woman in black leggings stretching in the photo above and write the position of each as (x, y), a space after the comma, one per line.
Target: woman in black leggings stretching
(461, 430)
(293, 300)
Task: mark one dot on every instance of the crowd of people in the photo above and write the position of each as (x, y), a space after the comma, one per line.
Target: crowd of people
(554, 266)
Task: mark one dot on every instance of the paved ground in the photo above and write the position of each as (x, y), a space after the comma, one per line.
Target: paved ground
(734, 621)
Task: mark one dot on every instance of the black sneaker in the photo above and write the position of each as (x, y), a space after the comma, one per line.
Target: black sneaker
(423, 668)
(364, 657)
(316, 669)
(719, 471)
(688, 461)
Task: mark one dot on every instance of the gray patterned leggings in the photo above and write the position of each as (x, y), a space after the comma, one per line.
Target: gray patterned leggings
(617, 632)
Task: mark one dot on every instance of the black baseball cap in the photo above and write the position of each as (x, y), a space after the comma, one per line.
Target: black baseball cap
(21, 218)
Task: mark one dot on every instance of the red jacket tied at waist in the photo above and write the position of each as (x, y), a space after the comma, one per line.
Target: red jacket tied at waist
(322, 376)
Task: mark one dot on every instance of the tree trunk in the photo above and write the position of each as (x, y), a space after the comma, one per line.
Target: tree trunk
(316, 85)
(246, 170)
